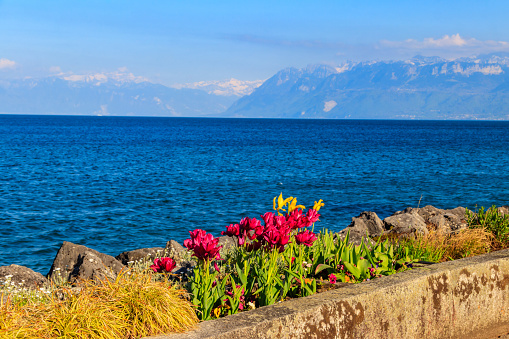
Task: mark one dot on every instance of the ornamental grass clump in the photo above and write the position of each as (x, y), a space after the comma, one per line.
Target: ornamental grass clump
(131, 306)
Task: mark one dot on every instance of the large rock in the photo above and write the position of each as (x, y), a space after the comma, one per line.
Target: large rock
(140, 254)
(504, 210)
(174, 250)
(74, 262)
(22, 277)
(227, 242)
(366, 224)
(409, 223)
(436, 219)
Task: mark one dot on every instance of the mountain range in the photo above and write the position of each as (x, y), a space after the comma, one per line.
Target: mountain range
(107, 94)
(419, 88)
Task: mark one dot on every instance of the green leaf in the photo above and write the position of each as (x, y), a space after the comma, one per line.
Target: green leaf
(241, 274)
(352, 269)
(321, 267)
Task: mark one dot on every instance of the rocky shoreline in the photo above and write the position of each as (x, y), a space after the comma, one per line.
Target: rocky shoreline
(74, 262)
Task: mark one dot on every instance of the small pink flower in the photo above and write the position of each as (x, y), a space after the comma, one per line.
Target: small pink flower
(216, 267)
(332, 278)
(163, 265)
(306, 238)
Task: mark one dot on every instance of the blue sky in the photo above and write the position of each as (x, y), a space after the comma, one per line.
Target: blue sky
(173, 42)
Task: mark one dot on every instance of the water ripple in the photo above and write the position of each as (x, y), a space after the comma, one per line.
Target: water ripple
(116, 184)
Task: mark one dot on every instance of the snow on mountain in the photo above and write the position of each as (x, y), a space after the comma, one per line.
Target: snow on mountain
(421, 88)
(231, 87)
(101, 78)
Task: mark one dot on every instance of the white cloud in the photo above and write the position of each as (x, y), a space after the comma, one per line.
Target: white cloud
(55, 69)
(122, 69)
(6, 63)
(452, 42)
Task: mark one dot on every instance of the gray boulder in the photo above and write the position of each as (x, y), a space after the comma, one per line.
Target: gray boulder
(140, 254)
(174, 250)
(436, 219)
(366, 224)
(455, 219)
(22, 277)
(75, 262)
(227, 242)
(181, 256)
(408, 224)
(504, 210)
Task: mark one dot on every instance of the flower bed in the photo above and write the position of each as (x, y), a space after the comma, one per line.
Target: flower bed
(278, 260)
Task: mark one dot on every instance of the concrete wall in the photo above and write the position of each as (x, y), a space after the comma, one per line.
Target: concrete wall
(466, 298)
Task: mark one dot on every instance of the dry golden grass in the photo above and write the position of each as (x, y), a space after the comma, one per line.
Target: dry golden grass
(438, 247)
(132, 306)
(469, 242)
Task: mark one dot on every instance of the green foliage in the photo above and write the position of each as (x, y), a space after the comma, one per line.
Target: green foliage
(431, 248)
(491, 220)
(264, 277)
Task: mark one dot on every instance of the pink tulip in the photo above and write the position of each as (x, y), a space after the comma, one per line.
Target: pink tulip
(306, 238)
(203, 245)
(163, 265)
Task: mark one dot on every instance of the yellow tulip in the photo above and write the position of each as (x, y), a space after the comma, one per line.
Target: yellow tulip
(281, 203)
(293, 206)
(318, 204)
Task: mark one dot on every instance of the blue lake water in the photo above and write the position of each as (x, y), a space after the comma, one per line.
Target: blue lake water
(121, 183)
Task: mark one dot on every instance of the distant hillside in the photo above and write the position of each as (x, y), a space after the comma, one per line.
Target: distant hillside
(420, 88)
(100, 95)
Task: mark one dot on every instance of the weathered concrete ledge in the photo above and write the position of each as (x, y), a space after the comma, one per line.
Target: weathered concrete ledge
(467, 298)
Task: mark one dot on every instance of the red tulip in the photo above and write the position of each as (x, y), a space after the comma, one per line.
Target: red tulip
(251, 227)
(296, 219)
(163, 265)
(268, 218)
(306, 238)
(232, 230)
(203, 245)
(311, 217)
(276, 238)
